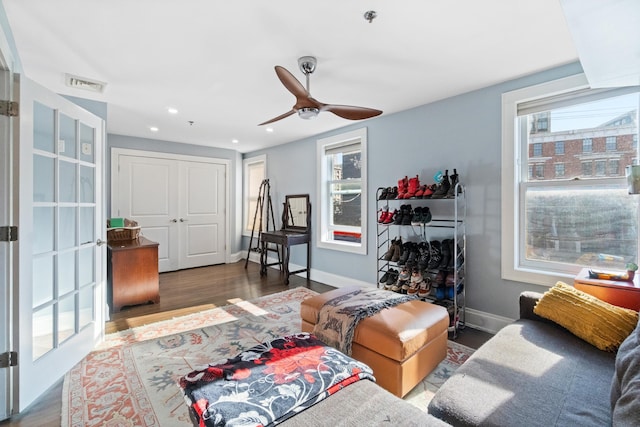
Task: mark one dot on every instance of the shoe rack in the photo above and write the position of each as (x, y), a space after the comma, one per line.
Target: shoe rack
(428, 236)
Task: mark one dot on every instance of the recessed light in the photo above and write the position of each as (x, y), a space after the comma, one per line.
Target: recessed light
(269, 130)
(172, 110)
(235, 141)
(153, 129)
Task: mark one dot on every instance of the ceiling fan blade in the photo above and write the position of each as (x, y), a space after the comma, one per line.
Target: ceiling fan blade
(280, 117)
(351, 112)
(291, 83)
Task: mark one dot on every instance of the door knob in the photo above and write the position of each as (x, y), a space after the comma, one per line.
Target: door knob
(174, 220)
(100, 242)
(183, 220)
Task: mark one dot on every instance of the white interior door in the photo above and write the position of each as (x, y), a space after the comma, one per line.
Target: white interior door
(6, 248)
(202, 210)
(61, 275)
(148, 194)
(179, 201)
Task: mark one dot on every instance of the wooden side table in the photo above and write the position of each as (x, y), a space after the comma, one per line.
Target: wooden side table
(620, 293)
(132, 273)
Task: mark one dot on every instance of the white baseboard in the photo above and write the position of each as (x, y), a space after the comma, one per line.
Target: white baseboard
(476, 319)
(485, 321)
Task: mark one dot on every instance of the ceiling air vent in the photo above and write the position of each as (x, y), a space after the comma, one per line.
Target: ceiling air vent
(84, 83)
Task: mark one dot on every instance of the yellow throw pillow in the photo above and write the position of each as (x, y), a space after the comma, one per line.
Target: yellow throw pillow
(599, 323)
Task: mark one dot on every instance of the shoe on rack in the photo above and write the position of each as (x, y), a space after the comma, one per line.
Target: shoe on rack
(435, 254)
(426, 215)
(397, 251)
(412, 188)
(392, 279)
(423, 259)
(390, 217)
(389, 254)
(428, 191)
(416, 281)
(399, 216)
(407, 215)
(440, 292)
(383, 193)
(392, 194)
(417, 216)
(405, 251)
(420, 191)
(443, 188)
(384, 213)
(384, 277)
(425, 288)
(446, 253)
(452, 189)
(412, 259)
(403, 185)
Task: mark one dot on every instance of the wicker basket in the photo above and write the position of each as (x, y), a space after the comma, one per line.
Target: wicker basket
(131, 231)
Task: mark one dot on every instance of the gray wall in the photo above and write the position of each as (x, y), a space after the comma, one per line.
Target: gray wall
(462, 132)
(134, 143)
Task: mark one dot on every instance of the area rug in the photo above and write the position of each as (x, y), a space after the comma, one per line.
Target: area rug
(130, 379)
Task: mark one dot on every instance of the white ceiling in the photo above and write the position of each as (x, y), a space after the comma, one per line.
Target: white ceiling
(214, 60)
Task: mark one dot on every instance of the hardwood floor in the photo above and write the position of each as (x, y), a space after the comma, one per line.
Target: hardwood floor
(189, 291)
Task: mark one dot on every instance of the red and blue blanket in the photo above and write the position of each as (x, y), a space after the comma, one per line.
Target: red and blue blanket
(270, 382)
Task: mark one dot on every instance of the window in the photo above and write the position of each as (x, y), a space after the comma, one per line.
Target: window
(553, 226)
(614, 167)
(559, 170)
(537, 150)
(539, 172)
(254, 171)
(610, 144)
(342, 192)
(559, 147)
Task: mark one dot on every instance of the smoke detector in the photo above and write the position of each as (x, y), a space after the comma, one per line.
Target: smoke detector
(84, 83)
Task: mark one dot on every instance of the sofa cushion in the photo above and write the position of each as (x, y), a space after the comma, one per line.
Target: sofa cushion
(625, 389)
(529, 373)
(602, 324)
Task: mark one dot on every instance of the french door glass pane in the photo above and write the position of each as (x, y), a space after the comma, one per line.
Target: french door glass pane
(43, 183)
(66, 317)
(87, 226)
(67, 142)
(43, 228)
(43, 128)
(68, 180)
(42, 331)
(86, 267)
(86, 314)
(87, 185)
(43, 275)
(67, 228)
(87, 143)
(66, 272)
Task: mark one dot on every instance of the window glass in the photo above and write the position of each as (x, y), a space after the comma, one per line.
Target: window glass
(342, 170)
(254, 173)
(582, 214)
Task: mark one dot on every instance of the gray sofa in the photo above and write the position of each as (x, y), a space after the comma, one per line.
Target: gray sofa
(536, 373)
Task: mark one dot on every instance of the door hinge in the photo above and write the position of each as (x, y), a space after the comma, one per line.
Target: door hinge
(10, 358)
(9, 108)
(8, 233)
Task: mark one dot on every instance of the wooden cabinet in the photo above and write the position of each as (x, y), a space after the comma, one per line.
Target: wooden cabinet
(622, 294)
(132, 273)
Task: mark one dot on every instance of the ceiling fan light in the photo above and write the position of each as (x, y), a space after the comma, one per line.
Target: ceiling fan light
(308, 113)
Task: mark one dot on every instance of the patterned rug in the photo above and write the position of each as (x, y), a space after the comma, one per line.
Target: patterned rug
(130, 379)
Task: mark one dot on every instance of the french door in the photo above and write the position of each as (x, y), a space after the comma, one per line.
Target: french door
(60, 278)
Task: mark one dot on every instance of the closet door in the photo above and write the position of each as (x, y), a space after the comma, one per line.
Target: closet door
(179, 201)
(148, 194)
(201, 217)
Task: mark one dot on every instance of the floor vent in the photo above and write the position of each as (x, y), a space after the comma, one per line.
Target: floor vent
(84, 83)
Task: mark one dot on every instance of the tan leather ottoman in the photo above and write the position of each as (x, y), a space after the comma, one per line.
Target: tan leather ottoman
(401, 344)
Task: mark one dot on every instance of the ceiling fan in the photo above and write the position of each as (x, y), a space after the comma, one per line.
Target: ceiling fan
(308, 107)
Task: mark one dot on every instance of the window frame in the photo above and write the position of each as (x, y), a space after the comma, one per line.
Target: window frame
(511, 193)
(246, 164)
(323, 202)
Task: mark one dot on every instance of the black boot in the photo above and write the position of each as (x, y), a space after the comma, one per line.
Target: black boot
(451, 193)
(443, 189)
